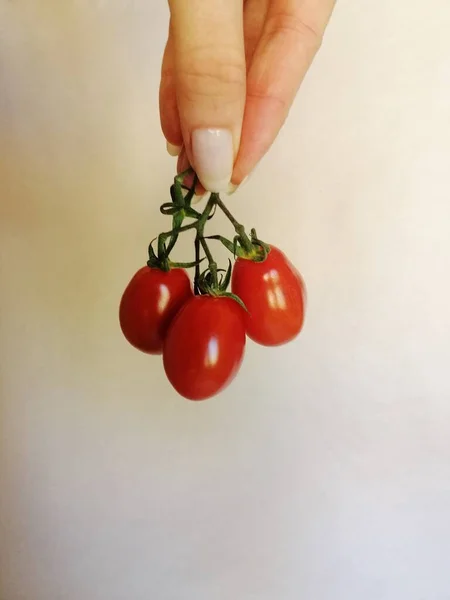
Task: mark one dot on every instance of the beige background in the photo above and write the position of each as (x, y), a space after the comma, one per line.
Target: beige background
(324, 472)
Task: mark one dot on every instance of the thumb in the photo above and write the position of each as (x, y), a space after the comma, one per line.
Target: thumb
(210, 83)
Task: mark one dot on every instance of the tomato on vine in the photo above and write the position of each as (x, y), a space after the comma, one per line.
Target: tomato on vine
(149, 303)
(274, 295)
(202, 333)
(204, 346)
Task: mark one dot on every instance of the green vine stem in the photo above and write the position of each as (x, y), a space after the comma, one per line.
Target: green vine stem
(201, 238)
(162, 251)
(238, 227)
(211, 280)
(197, 266)
(199, 226)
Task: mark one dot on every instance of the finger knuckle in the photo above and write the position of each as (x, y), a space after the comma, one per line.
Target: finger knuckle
(287, 24)
(207, 72)
(275, 100)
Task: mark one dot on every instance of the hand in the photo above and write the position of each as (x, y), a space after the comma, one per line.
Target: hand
(230, 73)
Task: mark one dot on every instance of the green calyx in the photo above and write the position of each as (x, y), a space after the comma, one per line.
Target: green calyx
(260, 249)
(257, 251)
(215, 284)
(165, 264)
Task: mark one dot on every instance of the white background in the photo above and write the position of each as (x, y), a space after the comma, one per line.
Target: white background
(323, 473)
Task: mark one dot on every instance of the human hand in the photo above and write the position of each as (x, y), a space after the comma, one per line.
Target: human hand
(230, 73)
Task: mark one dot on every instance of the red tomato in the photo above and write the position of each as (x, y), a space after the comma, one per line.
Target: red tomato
(274, 294)
(204, 346)
(149, 303)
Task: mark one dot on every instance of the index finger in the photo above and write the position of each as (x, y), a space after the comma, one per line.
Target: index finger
(210, 81)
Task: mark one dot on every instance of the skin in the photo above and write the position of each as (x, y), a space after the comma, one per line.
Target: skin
(236, 64)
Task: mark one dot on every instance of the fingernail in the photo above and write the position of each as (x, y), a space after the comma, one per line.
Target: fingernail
(212, 152)
(173, 150)
(198, 198)
(232, 187)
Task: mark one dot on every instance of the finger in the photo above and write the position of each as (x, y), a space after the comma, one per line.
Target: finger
(168, 110)
(290, 39)
(182, 162)
(255, 12)
(183, 165)
(210, 83)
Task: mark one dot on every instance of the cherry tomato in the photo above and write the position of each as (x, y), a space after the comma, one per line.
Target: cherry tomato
(148, 305)
(274, 294)
(204, 346)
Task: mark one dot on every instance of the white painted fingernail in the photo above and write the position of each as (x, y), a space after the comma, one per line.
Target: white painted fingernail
(196, 199)
(212, 151)
(173, 150)
(232, 187)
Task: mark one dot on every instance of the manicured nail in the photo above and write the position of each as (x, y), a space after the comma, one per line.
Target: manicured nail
(173, 150)
(232, 187)
(198, 198)
(212, 152)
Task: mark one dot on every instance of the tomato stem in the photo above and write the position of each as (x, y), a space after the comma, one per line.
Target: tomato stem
(182, 176)
(211, 262)
(197, 266)
(200, 238)
(174, 233)
(210, 281)
(238, 227)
